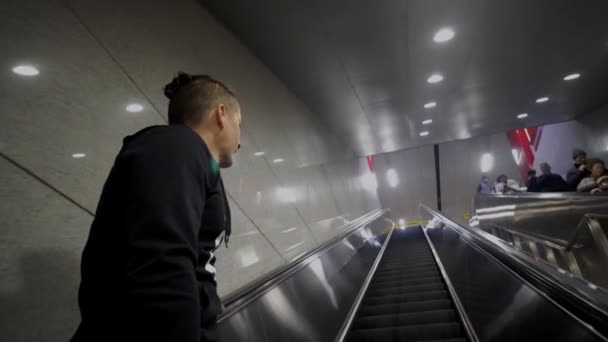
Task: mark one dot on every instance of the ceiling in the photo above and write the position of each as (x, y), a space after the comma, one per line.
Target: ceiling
(363, 65)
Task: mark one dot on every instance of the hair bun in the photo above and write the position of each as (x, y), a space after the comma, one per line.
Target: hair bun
(176, 84)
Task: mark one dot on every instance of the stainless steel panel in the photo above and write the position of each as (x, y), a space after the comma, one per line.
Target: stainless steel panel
(499, 304)
(311, 304)
(554, 216)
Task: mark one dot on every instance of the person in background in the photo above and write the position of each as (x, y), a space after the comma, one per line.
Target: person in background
(597, 181)
(484, 186)
(550, 182)
(578, 171)
(500, 186)
(531, 183)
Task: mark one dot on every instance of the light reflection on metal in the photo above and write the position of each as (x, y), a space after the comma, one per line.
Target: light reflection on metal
(283, 313)
(247, 256)
(369, 181)
(286, 194)
(487, 162)
(317, 269)
(496, 208)
(496, 215)
(392, 178)
(294, 246)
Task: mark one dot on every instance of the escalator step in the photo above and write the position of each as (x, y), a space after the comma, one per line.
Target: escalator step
(410, 265)
(394, 275)
(406, 269)
(406, 281)
(407, 298)
(396, 320)
(383, 290)
(411, 332)
(389, 308)
(399, 273)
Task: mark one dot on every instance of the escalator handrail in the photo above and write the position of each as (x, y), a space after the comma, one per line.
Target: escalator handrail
(352, 313)
(462, 314)
(572, 294)
(240, 298)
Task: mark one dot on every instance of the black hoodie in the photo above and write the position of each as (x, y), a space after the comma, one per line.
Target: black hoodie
(148, 266)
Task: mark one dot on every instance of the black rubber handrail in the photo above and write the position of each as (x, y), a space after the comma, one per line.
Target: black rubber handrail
(577, 297)
(240, 298)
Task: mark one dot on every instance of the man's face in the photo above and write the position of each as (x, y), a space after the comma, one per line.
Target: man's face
(230, 137)
(545, 169)
(580, 159)
(597, 170)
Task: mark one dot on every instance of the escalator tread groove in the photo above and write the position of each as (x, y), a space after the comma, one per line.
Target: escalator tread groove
(407, 299)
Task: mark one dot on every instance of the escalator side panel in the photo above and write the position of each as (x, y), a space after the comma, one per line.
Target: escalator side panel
(312, 304)
(500, 305)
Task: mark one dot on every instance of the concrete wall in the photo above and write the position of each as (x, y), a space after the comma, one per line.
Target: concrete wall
(596, 126)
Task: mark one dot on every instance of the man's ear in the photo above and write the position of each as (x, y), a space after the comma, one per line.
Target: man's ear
(219, 114)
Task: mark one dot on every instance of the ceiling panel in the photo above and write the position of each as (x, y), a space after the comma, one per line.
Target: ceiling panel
(362, 66)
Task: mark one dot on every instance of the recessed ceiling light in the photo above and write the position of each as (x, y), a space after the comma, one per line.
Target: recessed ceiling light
(78, 155)
(134, 108)
(435, 78)
(26, 70)
(542, 99)
(522, 115)
(444, 35)
(278, 160)
(427, 122)
(424, 133)
(572, 77)
(430, 105)
(258, 154)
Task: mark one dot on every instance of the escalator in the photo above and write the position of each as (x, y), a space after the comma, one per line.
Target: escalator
(407, 299)
(446, 283)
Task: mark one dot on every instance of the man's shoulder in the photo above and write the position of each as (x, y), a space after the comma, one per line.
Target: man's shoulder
(173, 142)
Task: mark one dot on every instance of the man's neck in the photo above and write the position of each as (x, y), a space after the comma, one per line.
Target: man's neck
(210, 141)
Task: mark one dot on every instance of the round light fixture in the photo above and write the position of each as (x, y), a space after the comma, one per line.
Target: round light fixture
(443, 35)
(435, 78)
(430, 105)
(134, 108)
(26, 70)
(572, 77)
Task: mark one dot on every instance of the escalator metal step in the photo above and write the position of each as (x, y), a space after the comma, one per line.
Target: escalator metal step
(405, 281)
(406, 299)
(421, 332)
(403, 319)
(388, 308)
(383, 290)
